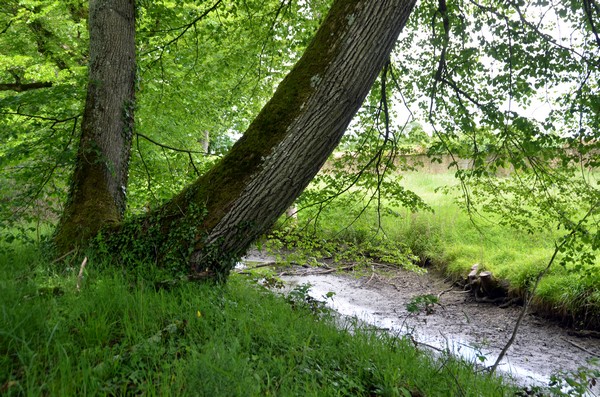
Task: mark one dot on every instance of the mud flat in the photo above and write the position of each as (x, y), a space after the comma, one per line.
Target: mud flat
(472, 330)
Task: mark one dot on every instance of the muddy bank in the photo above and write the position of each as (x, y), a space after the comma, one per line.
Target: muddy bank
(475, 331)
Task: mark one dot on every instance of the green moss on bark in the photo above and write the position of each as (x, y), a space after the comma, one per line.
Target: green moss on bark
(91, 208)
(222, 185)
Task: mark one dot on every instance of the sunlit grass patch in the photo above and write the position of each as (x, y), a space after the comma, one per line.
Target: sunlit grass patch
(454, 240)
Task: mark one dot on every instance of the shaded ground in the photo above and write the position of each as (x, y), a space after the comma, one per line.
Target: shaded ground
(476, 331)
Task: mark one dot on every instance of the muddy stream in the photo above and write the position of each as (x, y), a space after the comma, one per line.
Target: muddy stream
(474, 331)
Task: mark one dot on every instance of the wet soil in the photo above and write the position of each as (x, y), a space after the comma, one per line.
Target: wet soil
(473, 330)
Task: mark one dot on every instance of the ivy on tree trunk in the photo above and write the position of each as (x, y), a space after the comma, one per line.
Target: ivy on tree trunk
(97, 197)
(212, 222)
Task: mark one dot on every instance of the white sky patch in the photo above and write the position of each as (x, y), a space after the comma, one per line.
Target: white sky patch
(536, 107)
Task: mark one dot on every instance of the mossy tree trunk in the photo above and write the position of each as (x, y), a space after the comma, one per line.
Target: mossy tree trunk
(213, 221)
(98, 187)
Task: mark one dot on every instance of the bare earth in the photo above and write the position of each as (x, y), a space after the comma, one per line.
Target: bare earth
(467, 328)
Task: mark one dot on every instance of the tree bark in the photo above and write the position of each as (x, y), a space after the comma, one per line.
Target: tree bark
(212, 222)
(98, 187)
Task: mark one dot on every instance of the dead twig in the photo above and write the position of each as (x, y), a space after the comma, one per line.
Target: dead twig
(335, 269)
(418, 343)
(80, 275)
(371, 278)
(443, 292)
(64, 256)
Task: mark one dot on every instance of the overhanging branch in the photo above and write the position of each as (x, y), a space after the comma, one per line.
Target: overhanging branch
(184, 30)
(162, 145)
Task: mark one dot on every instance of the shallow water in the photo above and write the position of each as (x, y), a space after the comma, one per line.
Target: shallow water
(363, 304)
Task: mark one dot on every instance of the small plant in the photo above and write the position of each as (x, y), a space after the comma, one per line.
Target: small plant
(575, 383)
(422, 303)
(271, 281)
(300, 297)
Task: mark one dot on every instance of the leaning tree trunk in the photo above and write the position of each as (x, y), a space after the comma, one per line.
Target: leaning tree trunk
(212, 222)
(98, 187)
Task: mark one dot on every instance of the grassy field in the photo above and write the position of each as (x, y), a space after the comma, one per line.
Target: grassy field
(128, 334)
(453, 241)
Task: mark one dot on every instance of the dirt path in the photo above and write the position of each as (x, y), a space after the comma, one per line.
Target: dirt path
(469, 329)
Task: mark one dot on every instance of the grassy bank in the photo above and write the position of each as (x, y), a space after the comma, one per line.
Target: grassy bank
(453, 241)
(126, 334)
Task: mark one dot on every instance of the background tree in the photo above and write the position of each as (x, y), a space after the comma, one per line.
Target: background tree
(44, 49)
(97, 196)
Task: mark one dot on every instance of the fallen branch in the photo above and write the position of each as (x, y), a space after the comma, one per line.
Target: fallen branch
(335, 269)
(317, 273)
(267, 264)
(584, 333)
(444, 291)
(581, 348)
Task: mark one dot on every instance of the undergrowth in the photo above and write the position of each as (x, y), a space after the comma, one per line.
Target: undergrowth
(132, 334)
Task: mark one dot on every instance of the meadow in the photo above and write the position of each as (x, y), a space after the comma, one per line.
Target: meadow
(141, 331)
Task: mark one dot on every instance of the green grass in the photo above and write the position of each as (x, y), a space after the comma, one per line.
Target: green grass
(120, 335)
(453, 241)
(510, 254)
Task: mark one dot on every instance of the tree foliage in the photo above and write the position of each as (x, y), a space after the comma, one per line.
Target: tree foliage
(473, 72)
(202, 67)
(514, 86)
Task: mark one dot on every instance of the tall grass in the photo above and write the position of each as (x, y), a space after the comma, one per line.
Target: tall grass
(130, 334)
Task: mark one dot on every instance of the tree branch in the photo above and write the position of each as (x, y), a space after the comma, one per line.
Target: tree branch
(19, 87)
(441, 68)
(588, 7)
(185, 28)
(282, 5)
(53, 119)
(6, 27)
(557, 249)
(169, 147)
